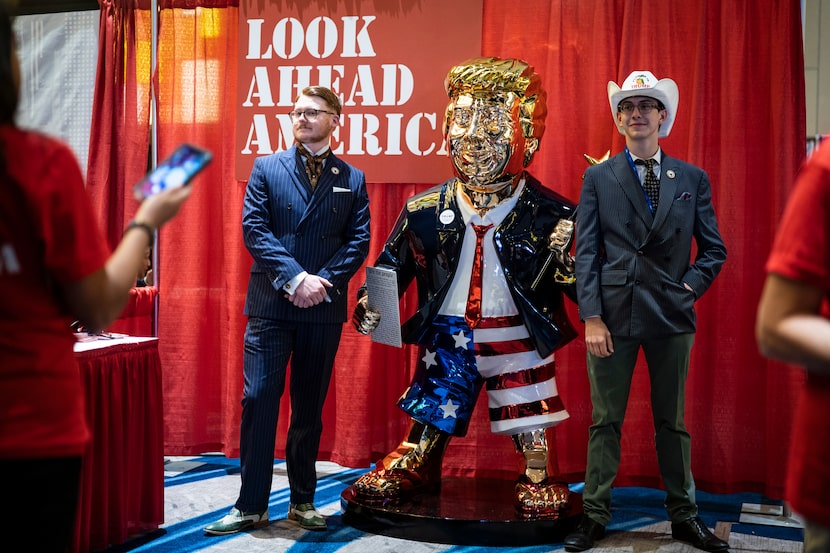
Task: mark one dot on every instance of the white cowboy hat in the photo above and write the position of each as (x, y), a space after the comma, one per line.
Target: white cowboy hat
(644, 83)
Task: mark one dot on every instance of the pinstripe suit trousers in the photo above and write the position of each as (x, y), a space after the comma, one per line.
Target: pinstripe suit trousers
(269, 344)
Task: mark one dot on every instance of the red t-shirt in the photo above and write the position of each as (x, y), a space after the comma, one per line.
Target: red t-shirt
(48, 233)
(802, 252)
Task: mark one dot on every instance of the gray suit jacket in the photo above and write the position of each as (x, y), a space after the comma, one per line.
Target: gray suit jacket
(630, 265)
(287, 229)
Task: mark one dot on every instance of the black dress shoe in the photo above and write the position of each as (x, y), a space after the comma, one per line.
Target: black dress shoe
(584, 536)
(694, 532)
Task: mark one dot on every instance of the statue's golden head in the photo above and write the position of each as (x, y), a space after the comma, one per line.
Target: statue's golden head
(509, 82)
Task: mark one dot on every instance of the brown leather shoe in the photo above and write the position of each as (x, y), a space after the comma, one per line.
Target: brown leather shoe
(584, 536)
(694, 532)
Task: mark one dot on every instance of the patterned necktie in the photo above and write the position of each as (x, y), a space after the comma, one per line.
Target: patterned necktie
(650, 182)
(313, 164)
(473, 313)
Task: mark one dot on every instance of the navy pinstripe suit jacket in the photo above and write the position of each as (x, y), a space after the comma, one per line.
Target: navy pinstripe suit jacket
(630, 265)
(287, 230)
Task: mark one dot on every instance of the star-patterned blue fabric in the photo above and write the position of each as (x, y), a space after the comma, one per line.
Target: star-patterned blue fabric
(446, 383)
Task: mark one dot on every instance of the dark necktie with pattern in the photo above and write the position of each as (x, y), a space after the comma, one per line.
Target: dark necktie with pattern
(650, 182)
(313, 164)
(473, 311)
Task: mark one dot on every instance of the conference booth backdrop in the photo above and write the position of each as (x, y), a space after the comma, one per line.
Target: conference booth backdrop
(221, 74)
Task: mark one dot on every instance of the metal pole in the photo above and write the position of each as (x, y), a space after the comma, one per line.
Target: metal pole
(154, 145)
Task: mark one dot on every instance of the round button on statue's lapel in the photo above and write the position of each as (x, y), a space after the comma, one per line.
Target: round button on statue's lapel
(335, 171)
(670, 173)
(447, 216)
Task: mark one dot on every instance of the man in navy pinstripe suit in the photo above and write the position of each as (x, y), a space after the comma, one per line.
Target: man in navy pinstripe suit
(636, 288)
(308, 233)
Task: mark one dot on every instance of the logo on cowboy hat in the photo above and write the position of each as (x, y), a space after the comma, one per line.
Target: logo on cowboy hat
(644, 83)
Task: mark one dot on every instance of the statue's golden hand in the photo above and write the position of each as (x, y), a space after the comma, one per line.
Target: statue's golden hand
(561, 238)
(559, 243)
(365, 320)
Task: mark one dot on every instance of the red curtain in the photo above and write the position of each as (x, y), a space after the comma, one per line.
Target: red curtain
(119, 130)
(138, 316)
(741, 117)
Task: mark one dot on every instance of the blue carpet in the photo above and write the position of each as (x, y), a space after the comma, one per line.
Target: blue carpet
(633, 508)
(210, 466)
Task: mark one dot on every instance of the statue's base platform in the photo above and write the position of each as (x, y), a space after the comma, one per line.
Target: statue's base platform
(465, 511)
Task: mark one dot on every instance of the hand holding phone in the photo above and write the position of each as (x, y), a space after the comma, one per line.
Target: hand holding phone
(175, 171)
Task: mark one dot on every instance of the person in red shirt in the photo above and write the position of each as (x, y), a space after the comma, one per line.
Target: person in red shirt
(55, 268)
(793, 326)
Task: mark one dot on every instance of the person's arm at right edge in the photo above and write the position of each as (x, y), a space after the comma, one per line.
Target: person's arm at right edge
(789, 327)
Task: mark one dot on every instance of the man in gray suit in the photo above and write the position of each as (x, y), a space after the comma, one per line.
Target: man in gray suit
(639, 212)
(305, 221)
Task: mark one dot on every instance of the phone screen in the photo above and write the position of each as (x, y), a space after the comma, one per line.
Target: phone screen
(177, 170)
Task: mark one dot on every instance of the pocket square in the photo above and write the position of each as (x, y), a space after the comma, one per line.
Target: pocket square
(684, 196)
(339, 189)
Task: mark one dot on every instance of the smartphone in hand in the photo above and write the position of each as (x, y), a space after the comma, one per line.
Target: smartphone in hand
(177, 170)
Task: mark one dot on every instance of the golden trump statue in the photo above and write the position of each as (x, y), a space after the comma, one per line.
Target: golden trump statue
(488, 250)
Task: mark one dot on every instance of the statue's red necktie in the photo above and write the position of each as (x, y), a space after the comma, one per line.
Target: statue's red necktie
(473, 312)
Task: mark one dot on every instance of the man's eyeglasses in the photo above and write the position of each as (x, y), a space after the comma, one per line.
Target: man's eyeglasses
(310, 114)
(643, 107)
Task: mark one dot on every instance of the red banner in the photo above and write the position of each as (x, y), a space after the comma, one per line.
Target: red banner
(386, 63)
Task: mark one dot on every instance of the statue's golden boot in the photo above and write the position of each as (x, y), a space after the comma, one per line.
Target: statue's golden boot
(541, 500)
(414, 466)
(537, 496)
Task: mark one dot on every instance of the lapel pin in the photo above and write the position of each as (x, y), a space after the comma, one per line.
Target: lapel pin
(335, 171)
(446, 217)
(670, 173)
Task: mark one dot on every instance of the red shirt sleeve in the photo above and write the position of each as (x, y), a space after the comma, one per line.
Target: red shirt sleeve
(801, 250)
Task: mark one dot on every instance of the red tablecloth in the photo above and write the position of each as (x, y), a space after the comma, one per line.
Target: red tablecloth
(122, 486)
(137, 317)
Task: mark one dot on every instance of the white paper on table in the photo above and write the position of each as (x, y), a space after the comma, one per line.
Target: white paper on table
(382, 291)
